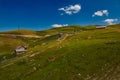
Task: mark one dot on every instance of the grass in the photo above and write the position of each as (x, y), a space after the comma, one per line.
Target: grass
(20, 32)
(8, 44)
(88, 55)
(68, 29)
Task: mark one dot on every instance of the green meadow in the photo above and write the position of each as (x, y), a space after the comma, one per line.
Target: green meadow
(82, 53)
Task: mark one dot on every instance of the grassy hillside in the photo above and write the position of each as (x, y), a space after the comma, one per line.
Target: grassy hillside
(87, 55)
(20, 32)
(68, 29)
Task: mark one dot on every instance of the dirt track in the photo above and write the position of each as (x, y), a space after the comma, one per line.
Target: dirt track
(14, 36)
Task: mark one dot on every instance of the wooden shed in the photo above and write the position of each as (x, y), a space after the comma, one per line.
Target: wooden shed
(20, 49)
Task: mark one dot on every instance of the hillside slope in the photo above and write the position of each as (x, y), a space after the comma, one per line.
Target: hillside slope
(20, 32)
(84, 55)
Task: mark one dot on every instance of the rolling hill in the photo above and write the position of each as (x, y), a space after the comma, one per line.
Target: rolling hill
(82, 53)
(20, 32)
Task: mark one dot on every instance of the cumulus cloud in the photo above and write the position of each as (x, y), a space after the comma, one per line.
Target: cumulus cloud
(101, 13)
(59, 25)
(110, 21)
(71, 9)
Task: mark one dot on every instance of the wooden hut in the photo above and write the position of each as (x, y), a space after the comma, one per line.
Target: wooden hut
(20, 49)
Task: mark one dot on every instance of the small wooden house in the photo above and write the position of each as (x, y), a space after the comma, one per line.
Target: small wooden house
(20, 50)
(60, 35)
(101, 26)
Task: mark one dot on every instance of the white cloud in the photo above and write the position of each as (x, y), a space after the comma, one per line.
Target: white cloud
(71, 9)
(59, 25)
(101, 13)
(111, 21)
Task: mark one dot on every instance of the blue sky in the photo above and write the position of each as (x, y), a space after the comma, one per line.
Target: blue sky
(44, 14)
